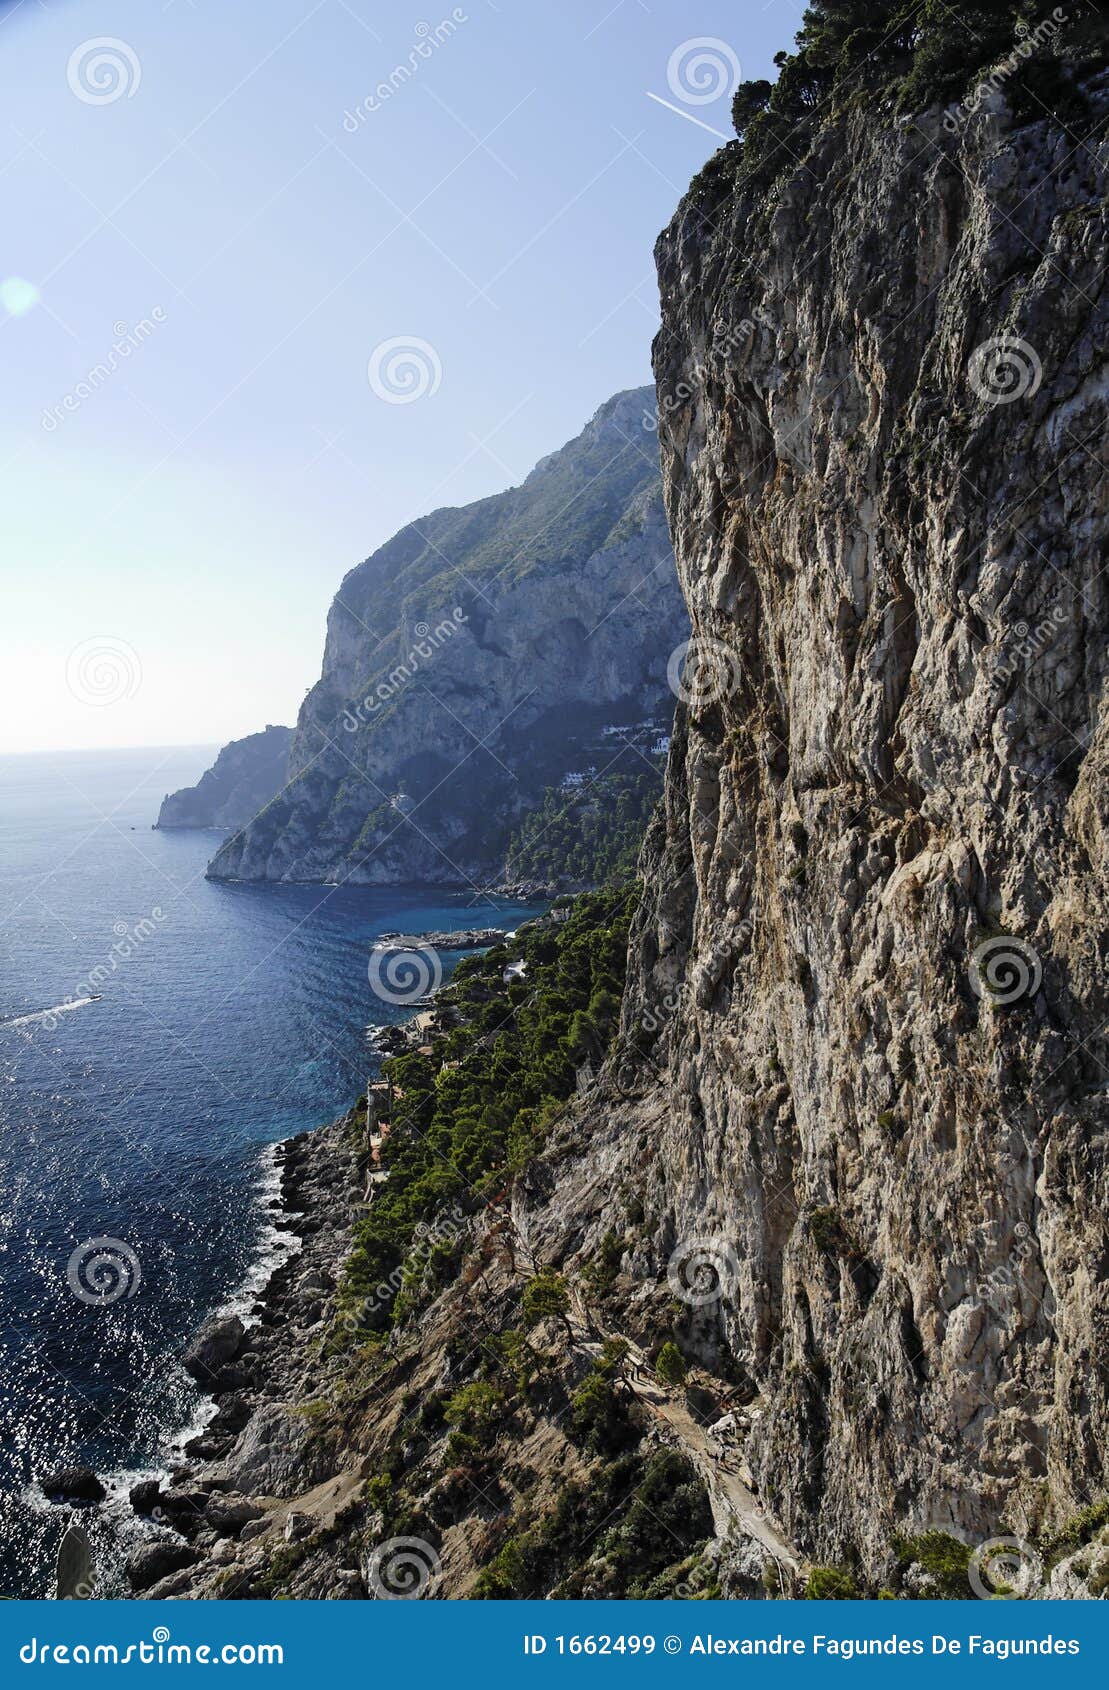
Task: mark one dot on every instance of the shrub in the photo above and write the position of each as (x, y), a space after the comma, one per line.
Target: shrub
(546, 1298)
(462, 1128)
(831, 1584)
(943, 1558)
(670, 1364)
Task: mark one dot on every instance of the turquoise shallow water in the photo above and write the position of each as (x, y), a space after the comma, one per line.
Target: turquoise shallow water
(221, 1019)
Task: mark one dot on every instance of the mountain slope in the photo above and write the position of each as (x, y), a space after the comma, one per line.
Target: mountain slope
(840, 1186)
(472, 662)
(244, 777)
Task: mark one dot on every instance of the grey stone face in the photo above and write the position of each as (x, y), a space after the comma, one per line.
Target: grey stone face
(872, 956)
(469, 660)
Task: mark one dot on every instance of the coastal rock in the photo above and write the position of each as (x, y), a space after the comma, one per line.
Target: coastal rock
(216, 1344)
(228, 1515)
(484, 682)
(145, 1496)
(183, 1509)
(73, 1484)
(245, 776)
(275, 1454)
(151, 1565)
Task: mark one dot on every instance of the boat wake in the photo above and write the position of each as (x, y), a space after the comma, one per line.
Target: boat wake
(49, 1014)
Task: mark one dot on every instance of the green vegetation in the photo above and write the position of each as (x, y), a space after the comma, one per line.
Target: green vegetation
(1078, 1531)
(475, 1413)
(545, 1298)
(459, 1130)
(943, 1558)
(831, 1584)
(670, 1364)
(911, 55)
(830, 1233)
(589, 838)
(612, 1535)
(601, 1412)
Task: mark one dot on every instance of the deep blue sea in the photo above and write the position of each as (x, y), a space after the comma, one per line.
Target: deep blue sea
(222, 1018)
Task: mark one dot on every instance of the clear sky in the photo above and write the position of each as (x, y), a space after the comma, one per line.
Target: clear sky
(211, 191)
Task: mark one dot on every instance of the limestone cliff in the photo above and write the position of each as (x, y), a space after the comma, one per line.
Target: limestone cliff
(473, 662)
(819, 1248)
(244, 777)
(869, 980)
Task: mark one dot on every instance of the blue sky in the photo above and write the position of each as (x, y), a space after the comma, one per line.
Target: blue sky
(211, 191)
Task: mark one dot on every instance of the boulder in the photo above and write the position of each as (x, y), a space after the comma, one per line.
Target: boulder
(183, 1510)
(158, 1562)
(146, 1496)
(73, 1484)
(227, 1515)
(276, 1454)
(216, 1344)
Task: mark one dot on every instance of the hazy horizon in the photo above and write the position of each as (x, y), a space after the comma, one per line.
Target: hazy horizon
(233, 201)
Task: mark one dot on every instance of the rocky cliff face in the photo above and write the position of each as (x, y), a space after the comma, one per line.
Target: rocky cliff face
(472, 662)
(244, 777)
(870, 980)
(849, 1154)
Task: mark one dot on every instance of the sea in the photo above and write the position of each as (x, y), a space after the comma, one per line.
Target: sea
(159, 1033)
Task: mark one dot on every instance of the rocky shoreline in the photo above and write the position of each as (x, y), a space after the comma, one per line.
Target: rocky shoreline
(234, 1487)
